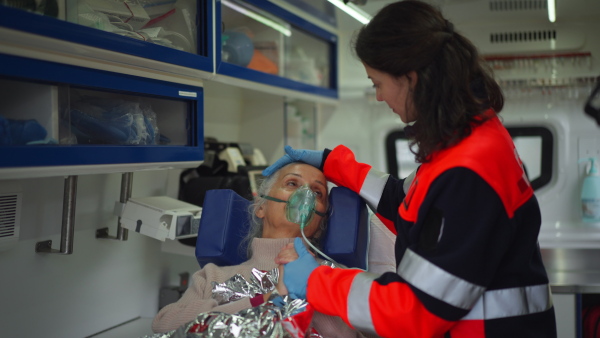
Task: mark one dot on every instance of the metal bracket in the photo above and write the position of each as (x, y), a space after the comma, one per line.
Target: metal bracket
(45, 247)
(122, 233)
(102, 233)
(67, 232)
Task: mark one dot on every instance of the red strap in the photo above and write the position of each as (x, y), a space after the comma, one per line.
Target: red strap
(388, 224)
(130, 11)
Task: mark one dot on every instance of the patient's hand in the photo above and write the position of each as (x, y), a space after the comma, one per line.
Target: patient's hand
(281, 289)
(286, 255)
(280, 285)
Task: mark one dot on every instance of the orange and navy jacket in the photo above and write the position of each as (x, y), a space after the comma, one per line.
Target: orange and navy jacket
(467, 254)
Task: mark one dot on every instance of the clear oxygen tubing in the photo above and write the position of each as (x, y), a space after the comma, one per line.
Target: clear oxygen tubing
(312, 246)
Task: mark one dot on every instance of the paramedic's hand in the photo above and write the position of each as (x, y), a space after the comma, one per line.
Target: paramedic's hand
(312, 157)
(297, 272)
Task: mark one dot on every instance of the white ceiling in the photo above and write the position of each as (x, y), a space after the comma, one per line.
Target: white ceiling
(577, 23)
(462, 11)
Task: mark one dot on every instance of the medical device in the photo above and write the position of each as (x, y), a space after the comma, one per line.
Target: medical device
(233, 157)
(300, 209)
(160, 217)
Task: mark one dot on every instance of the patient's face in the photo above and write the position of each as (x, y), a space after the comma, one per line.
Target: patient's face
(292, 177)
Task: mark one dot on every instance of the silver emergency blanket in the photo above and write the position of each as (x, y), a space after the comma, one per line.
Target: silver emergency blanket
(237, 287)
(280, 317)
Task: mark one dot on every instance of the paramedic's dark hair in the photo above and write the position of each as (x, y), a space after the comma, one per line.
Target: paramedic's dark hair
(454, 85)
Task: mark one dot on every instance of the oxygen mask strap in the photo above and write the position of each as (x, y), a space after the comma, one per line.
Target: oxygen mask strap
(273, 199)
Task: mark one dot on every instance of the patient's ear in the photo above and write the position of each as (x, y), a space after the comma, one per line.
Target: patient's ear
(317, 233)
(260, 211)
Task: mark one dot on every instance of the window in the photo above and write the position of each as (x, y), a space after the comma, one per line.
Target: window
(400, 160)
(535, 147)
(534, 144)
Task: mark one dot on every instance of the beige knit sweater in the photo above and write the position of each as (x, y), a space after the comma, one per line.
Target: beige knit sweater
(197, 298)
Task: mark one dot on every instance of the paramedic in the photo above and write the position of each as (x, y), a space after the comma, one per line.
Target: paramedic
(467, 221)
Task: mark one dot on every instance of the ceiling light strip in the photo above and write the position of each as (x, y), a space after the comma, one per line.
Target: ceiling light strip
(353, 11)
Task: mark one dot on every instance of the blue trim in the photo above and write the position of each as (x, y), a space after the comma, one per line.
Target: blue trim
(333, 71)
(63, 30)
(218, 30)
(56, 155)
(274, 80)
(205, 28)
(60, 155)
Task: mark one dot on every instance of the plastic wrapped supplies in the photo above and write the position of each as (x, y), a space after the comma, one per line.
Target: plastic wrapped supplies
(170, 23)
(112, 121)
(280, 317)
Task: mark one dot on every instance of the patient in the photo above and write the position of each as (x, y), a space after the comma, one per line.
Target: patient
(270, 232)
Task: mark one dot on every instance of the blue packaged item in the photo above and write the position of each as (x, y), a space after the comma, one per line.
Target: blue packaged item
(21, 132)
(113, 121)
(237, 48)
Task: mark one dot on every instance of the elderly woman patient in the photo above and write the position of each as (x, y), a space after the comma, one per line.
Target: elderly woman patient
(270, 232)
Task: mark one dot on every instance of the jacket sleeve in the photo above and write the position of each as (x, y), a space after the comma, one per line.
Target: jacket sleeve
(382, 192)
(368, 306)
(196, 300)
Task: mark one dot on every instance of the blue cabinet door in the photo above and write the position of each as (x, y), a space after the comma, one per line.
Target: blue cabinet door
(59, 115)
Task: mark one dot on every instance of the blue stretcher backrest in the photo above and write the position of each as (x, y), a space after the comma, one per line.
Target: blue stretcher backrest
(225, 221)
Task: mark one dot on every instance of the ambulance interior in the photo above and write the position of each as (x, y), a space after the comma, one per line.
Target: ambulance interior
(110, 282)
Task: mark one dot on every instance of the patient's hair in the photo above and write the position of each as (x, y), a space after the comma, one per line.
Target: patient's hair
(256, 223)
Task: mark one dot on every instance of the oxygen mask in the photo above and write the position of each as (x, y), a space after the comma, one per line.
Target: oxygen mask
(300, 209)
(300, 206)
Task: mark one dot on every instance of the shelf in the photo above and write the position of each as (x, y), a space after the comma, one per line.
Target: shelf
(570, 235)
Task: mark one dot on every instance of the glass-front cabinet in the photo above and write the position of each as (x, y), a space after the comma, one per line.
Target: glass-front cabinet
(300, 124)
(169, 23)
(265, 43)
(253, 40)
(59, 115)
(80, 83)
(172, 31)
